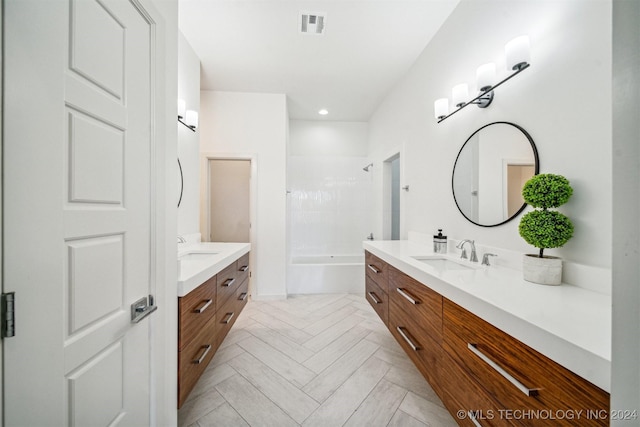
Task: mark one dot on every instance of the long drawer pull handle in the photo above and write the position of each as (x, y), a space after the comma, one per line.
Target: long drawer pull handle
(402, 332)
(207, 349)
(373, 268)
(206, 304)
(374, 298)
(243, 296)
(243, 268)
(498, 369)
(408, 296)
(228, 282)
(472, 417)
(227, 319)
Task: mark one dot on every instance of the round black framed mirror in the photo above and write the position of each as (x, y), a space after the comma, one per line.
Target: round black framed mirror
(489, 172)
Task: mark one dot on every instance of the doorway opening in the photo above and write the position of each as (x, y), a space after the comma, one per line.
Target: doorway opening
(391, 198)
(229, 200)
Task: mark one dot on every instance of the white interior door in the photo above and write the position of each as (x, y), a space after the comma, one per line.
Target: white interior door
(78, 211)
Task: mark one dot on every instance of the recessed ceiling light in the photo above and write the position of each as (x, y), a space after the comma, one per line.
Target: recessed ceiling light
(323, 112)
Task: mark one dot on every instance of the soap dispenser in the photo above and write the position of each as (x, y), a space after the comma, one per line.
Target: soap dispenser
(440, 243)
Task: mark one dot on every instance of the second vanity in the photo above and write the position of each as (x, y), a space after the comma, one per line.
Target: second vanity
(213, 280)
(496, 349)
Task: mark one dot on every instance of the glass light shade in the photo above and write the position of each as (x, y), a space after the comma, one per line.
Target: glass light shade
(517, 52)
(460, 94)
(486, 76)
(192, 118)
(182, 107)
(441, 107)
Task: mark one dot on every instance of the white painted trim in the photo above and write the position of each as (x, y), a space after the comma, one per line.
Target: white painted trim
(205, 220)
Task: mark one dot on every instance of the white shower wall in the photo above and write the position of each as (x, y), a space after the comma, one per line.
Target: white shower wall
(329, 205)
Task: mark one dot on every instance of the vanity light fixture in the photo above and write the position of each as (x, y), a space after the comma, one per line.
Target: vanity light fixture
(518, 59)
(189, 118)
(323, 112)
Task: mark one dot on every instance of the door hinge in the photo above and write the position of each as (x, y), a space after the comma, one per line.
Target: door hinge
(8, 315)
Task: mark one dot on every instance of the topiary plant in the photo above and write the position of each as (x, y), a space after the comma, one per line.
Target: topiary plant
(544, 228)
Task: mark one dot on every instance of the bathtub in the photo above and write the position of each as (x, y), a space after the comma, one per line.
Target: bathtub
(326, 274)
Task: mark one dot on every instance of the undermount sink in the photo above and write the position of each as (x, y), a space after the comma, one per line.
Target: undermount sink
(442, 263)
(196, 256)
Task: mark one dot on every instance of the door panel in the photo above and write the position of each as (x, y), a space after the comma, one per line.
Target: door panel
(79, 211)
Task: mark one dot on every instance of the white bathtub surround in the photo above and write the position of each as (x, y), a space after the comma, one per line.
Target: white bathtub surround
(568, 324)
(326, 274)
(197, 262)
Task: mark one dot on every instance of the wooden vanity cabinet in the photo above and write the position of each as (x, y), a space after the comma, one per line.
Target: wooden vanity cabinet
(515, 376)
(415, 320)
(465, 360)
(205, 316)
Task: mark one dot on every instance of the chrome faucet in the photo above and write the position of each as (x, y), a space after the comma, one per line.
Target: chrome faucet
(182, 239)
(370, 236)
(473, 257)
(485, 259)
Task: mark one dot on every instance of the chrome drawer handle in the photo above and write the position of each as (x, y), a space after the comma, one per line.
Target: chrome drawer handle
(243, 268)
(401, 331)
(472, 417)
(498, 369)
(199, 360)
(243, 296)
(228, 318)
(228, 282)
(373, 268)
(374, 298)
(206, 304)
(408, 296)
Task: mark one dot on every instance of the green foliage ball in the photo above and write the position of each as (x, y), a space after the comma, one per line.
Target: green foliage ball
(547, 191)
(545, 229)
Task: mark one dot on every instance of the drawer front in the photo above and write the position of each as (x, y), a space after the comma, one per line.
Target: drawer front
(228, 313)
(423, 304)
(376, 269)
(378, 299)
(242, 268)
(227, 284)
(416, 342)
(194, 310)
(194, 358)
(515, 375)
(465, 399)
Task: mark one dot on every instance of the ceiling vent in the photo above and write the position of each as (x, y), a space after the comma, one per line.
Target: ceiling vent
(312, 23)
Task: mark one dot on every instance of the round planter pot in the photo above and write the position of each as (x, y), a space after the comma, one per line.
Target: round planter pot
(544, 271)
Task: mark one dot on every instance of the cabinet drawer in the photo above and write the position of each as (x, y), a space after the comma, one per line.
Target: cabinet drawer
(194, 358)
(423, 304)
(378, 299)
(228, 313)
(461, 393)
(242, 268)
(416, 341)
(194, 310)
(515, 375)
(227, 284)
(376, 269)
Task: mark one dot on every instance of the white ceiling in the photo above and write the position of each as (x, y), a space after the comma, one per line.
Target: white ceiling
(256, 46)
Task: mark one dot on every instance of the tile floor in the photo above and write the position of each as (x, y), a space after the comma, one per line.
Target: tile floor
(321, 360)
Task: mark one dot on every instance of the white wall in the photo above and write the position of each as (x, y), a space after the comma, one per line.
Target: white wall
(563, 100)
(625, 375)
(189, 141)
(254, 125)
(329, 199)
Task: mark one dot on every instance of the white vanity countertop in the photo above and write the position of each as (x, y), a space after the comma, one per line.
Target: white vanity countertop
(210, 259)
(568, 324)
